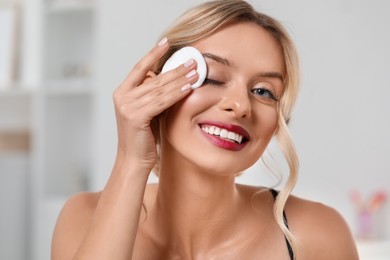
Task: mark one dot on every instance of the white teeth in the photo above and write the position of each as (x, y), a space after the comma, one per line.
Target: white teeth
(232, 136)
(223, 133)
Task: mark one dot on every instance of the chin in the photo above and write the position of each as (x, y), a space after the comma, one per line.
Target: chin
(215, 165)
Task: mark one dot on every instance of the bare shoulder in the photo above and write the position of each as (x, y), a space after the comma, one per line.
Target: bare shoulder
(72, 224)
(320, 231)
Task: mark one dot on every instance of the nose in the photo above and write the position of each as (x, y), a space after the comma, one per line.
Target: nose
(236, 100)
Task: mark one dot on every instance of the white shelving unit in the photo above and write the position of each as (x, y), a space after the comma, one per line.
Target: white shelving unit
(15, 125)
(63, 154)
(51, 100)
(67, 94)
(15, 106)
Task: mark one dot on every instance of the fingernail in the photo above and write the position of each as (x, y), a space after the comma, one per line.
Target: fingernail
(186, 87)
(191, 74)
(163, 41)
(189, 63)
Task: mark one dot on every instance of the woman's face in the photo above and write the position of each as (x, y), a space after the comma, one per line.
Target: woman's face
(224, 126)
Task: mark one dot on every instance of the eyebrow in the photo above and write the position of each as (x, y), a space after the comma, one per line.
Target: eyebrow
(216, 58)
(226, 62)
(275, 75)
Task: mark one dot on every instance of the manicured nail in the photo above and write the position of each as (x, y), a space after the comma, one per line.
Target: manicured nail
(189, 63)
(186, 87)
(163, 41)
(191, 74)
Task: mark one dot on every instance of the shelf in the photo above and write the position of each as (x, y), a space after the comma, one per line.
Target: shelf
(65, 6)
(69, 49)
(67, 144)
(14, 128)
(15, 108)
(68, 87)
(13, 141)
(15, 91)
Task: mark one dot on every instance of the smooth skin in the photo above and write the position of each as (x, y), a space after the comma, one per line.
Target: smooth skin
(197, 211)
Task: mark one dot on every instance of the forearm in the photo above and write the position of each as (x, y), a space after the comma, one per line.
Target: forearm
(142, 97)
(113, 229)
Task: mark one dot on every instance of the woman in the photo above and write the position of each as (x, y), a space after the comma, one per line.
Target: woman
(197, 211)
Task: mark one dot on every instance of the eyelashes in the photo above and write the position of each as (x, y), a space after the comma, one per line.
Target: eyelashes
(212, 82)
(262, 92)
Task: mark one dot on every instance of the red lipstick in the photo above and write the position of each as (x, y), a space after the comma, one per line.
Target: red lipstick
(225, 143)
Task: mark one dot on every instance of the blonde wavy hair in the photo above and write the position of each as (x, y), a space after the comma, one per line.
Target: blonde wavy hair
(205, 19)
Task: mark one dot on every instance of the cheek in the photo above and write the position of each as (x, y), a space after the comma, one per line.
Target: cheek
(184, 113)
(195, 103)
(201, 98)
(265, 127)
(266, 122)
(273, 120)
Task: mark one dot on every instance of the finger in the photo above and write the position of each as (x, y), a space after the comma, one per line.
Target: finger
(178, 77)
(137, 74)
(180, 71)
(158, 99)
(155, 105)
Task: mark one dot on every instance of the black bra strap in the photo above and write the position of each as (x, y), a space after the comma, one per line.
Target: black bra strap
(290, 251)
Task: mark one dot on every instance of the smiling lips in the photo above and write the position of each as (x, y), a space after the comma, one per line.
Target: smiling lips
(223, 133)
(227, 136)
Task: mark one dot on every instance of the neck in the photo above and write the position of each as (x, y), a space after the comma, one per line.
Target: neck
(194, 208)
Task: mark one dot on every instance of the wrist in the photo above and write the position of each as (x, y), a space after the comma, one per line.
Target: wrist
(131, 165)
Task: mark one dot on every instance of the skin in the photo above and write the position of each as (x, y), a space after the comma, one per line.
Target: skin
(197, 211)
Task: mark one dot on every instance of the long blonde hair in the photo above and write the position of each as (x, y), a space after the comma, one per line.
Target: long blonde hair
(202, 21)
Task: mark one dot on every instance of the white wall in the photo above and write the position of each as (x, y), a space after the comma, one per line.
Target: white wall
(342, 117)
(341, 121)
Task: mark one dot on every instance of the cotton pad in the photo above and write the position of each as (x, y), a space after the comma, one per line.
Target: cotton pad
(183, 55)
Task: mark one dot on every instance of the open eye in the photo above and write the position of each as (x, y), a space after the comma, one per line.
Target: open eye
(264, 93)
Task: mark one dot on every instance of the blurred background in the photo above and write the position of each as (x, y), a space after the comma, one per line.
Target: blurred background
(60, 61)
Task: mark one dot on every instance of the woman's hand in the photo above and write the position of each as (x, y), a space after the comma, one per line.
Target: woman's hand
(88, 221)
(141, 98)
